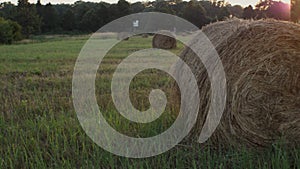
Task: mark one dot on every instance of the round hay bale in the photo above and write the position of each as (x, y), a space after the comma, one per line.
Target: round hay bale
(164, 40)
(261, 61)
(220, 31)
(123, 36)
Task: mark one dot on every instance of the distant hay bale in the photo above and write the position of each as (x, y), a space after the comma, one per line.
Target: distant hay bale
(145, 35)
(261, 61)
(123, 36)
(164, 40)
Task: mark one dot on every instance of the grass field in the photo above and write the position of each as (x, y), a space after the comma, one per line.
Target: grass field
(39, 127)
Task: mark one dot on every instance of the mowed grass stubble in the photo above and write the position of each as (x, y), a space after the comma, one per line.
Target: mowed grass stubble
(39, 127)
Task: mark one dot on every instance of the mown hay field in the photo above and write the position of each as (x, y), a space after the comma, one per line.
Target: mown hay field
(39, 127)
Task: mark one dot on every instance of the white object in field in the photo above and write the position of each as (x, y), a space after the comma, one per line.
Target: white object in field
(135, 23)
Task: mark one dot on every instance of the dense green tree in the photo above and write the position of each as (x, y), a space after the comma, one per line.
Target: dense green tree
(7, 10)
(39, 8)
(113, 12)
(164, 7)
(223, 13)
(179, 8)
(28, 18)
(62, 8)
(102, 14)
(50, 20)
(89, 21)
(123, 8)
(16, 29)
(249, 13)
(9, 31)
(80, 8)
(68, 21)
(215, 10)
(95, 18)
(137, 7)
(89, 16)
(236, 11)
(195, 14)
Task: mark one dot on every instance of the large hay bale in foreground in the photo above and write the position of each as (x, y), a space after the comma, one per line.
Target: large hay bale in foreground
(261, 61)
(164, 40)
(220, 31)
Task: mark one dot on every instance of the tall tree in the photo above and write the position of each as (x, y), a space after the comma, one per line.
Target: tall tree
(137, 7)
(123, 8)
(164, 7)
(28, 18)
(89, 21)
(249, 13)
(79, 9)
(50, 20)
(7, 10)
(195, 14)
(215, 10)
(39, 8)
(236, 11)
(68, 21)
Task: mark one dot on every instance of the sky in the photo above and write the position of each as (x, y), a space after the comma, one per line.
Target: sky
(233, 2)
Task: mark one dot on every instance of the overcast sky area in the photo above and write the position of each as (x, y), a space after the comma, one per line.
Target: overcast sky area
(233, 2)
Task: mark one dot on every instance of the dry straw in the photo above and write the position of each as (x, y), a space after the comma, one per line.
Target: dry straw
(261, 60)
(164, 40)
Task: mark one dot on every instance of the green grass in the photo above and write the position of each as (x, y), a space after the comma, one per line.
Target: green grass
(39, 127)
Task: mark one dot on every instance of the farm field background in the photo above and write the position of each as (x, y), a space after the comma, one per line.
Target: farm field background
(39, 127)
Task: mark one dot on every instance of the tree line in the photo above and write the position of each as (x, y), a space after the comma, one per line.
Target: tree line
(26, 19)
